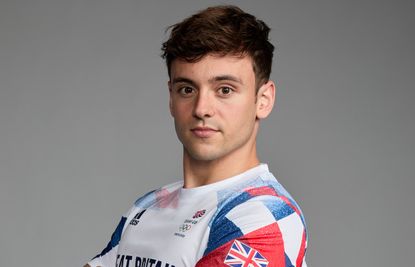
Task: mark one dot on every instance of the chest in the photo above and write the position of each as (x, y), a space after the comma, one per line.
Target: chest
(168, 236)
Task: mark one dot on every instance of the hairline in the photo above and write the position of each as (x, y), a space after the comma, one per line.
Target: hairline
(220, 54)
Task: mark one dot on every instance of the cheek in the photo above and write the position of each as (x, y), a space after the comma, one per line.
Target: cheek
(239, 112)
(238, 120)
(180, 112)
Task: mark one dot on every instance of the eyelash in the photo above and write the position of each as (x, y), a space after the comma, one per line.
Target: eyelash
(182, 90)
(231, 90)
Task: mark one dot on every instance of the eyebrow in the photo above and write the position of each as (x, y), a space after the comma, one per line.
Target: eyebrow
(183, 80)
(226, 78)
(211, 80)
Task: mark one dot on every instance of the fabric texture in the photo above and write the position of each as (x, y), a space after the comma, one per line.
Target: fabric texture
(246, 220)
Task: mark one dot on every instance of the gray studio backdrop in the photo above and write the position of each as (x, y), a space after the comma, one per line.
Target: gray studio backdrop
(85, 127)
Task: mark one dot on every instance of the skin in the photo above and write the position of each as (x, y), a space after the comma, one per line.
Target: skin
(217, 93)
(216, 113)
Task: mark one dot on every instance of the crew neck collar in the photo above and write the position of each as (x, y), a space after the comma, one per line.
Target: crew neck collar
(248, 174)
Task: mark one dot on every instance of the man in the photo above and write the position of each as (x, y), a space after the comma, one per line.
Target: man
(229, 210)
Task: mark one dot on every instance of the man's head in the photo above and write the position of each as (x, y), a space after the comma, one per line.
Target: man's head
(219, 62)
(221, 30)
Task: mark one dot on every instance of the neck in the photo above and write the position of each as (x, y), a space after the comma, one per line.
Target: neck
(199, 172)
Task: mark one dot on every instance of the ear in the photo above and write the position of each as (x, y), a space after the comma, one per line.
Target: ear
(170, 98)
(265, 100)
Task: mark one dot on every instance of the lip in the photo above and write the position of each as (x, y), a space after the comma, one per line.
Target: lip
(203, 132)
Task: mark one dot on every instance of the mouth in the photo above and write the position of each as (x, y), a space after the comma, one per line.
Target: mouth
(204, 132)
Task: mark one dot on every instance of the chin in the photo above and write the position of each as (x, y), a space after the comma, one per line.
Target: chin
(204, 155)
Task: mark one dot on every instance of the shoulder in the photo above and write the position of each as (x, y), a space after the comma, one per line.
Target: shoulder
(258, 197)
(261, 208)
(262, 219)
(155, 195)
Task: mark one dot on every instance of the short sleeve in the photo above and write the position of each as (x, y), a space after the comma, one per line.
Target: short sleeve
(262, 231)
(108, 256)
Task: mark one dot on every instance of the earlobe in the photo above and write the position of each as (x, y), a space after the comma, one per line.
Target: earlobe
(265, 99)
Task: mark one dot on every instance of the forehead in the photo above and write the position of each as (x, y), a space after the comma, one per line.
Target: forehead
(212, 65)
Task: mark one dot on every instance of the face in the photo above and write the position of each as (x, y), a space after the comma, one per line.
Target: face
(213, 103)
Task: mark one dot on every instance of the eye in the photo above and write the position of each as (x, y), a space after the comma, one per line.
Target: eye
(225, 90)
(186, 90)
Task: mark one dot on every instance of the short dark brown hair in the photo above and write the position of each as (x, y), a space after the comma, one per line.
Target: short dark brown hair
(221, 30)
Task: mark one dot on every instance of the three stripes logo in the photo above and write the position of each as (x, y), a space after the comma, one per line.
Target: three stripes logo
(137, 217)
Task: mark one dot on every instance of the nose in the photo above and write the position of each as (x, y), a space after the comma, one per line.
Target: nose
(203, 106)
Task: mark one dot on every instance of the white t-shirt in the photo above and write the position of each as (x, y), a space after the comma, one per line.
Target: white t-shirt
(245, 220)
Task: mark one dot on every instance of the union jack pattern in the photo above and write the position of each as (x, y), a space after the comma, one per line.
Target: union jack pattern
(242, 255)
(248, 220)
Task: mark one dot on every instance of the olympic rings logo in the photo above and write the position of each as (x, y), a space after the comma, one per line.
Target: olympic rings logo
(185, 227)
